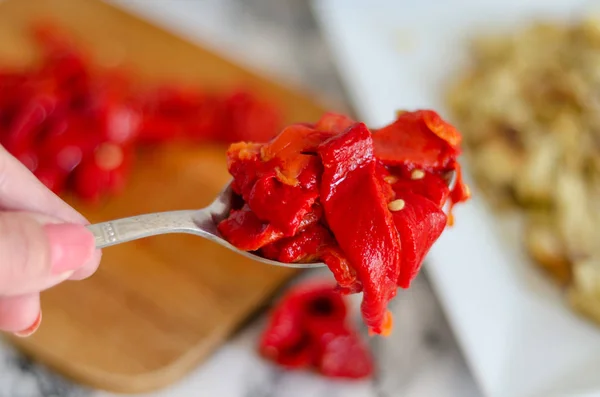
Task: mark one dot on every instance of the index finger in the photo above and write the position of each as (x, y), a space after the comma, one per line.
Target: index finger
(20, 190)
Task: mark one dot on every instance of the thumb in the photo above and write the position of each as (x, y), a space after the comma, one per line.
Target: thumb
(36, 252)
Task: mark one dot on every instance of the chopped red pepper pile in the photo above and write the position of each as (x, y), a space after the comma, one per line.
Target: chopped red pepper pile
(76, 126)
(308, 329)
(367, 203)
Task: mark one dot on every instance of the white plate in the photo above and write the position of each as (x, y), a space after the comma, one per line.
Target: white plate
(518, 335)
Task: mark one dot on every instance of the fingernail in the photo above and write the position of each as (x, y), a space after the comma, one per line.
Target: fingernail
(31, 329)
(71, 246)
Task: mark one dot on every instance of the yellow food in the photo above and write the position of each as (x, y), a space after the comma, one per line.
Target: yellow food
(529, 109)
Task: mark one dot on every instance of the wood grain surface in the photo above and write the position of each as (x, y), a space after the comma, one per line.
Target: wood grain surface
(157, 307)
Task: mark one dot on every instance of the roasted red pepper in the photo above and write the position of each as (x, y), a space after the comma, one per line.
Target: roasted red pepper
(306, 246)
(410, 141)
(244, 230)
(308, 329)
(357, 214)
(103, 173)
(281, 205)
(419, 225)
(72, 123)
(424, 183)
(376, 199)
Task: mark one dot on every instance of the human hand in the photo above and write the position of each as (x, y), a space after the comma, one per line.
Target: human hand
(43, 242)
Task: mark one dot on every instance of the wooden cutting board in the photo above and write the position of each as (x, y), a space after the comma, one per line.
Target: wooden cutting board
(157, 307)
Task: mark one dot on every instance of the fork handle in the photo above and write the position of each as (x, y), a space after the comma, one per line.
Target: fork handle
(136, 227)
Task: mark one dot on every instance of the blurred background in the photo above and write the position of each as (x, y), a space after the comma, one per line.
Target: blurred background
(522, 83)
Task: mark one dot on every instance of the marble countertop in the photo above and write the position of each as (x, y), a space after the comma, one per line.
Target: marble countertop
(420, 359)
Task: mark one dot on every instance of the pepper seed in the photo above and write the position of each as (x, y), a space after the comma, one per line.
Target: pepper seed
(391, 179)
(417, 174)
(396, 205)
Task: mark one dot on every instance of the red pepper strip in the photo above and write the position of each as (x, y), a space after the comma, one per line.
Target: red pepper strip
(310, 177)
(11, 93)
(67, 147)
(342, 354)
(441, 128)
(290, 148)
(461, 191)
(293, 140)
(120, 124)
(383, 175)
(428, 184)
(343, 272)
(244, 230)
(286, 340)
(308, 328)
(364, 228)
(207, 123)
(24, 127)
(315, 242)
(119, 118)
(282, 206)
(334, 122)
(174, 113)
(175, 102)
(303, 247)
(232, 117)
(459, 194)
(410, 141)
(155, 129)
(246, 167)
(71, 79)
(420, 223)
(103, 173)
(323, 309)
